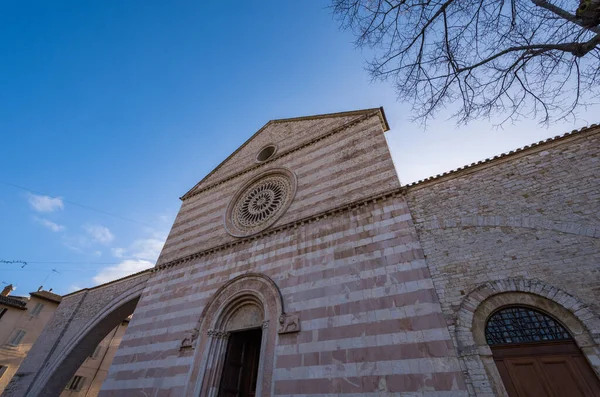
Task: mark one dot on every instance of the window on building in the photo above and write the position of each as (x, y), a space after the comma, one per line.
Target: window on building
(16, 337)
(96, 352)
(36, 309)
(2, 311)
(76, 383)
(513, 325)
(3, 369)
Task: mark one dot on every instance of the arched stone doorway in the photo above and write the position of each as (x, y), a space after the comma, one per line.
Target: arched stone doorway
(240, 319)
(536, 355)
(480, 304)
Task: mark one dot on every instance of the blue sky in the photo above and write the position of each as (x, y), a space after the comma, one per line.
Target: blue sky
(122, 106)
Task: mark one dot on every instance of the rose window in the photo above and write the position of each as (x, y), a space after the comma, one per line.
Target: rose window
(260, 203)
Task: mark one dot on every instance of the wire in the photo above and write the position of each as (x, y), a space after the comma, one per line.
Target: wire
(77, 204)
(74, 263)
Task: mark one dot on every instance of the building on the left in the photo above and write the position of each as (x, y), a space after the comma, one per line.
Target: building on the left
(22, 320)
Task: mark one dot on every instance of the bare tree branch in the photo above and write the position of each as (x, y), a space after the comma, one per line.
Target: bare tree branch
(489, 57)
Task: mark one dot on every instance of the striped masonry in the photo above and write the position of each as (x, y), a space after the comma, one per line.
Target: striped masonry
(340, 169)
(371, 322)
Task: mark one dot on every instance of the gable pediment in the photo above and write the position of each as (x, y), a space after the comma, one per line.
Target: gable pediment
(285, 135)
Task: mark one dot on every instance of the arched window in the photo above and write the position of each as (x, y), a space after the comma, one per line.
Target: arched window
(518, 324)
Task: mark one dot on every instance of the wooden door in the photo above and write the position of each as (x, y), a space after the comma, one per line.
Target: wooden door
(551, 369)
(537, 357)
(240, 370)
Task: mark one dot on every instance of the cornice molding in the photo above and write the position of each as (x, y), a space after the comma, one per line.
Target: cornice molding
(291, 225)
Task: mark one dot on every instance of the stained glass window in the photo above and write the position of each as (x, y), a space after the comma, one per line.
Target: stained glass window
(523, 325)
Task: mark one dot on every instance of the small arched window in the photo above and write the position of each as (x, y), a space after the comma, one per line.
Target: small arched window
(518, 324)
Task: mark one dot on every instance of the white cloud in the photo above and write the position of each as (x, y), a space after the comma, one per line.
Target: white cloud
(123, 269)
(45, 203)
(55, 227)
(76, 243)
(147, 249)
(99, 233)
(118, 252)
(74, 288)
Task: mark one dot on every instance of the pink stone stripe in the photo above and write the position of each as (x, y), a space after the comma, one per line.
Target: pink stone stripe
(441, 348)
(393, 384)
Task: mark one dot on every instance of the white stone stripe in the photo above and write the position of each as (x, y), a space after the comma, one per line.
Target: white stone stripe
(324, 252)
(323, 323)
(164, 363)
(140, 383)
(371, 316)
(377, 292)
(407, 337)
(199, 222)
(322, 282)
(324, 151)
(334, 236)
(148, 348)
(450, 393)
(328, 238)
(427, 365)
(158, 331)
(198, 236)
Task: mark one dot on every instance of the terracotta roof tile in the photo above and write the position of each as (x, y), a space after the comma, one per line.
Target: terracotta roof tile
(503, 155)
(13, 302)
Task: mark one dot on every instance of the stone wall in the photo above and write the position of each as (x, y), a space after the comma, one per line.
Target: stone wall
(532, 217)
(80, 322)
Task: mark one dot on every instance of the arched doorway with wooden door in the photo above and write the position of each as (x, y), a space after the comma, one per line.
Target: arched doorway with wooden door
(537, 356)
(477, 352)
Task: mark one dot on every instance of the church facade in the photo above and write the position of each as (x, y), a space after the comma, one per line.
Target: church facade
(302, 267)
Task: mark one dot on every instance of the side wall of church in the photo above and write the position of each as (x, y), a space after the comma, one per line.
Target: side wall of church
(355, 276)
(532, 217)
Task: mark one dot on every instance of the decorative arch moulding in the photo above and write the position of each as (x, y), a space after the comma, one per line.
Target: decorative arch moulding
(248, 302)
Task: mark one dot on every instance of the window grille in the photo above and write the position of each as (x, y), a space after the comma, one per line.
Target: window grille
(16, 338)
(76, 383)
(514, 325)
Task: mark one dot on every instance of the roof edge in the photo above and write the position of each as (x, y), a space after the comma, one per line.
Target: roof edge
(592, 128)
(381, 115)
(47, 295)
(110, 282)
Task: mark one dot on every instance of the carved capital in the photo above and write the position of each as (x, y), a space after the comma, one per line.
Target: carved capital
(289, 323)
(218, 334)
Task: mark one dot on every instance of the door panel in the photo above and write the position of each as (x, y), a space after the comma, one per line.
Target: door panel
(527, 377)
(240, 369)
(556, 369)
